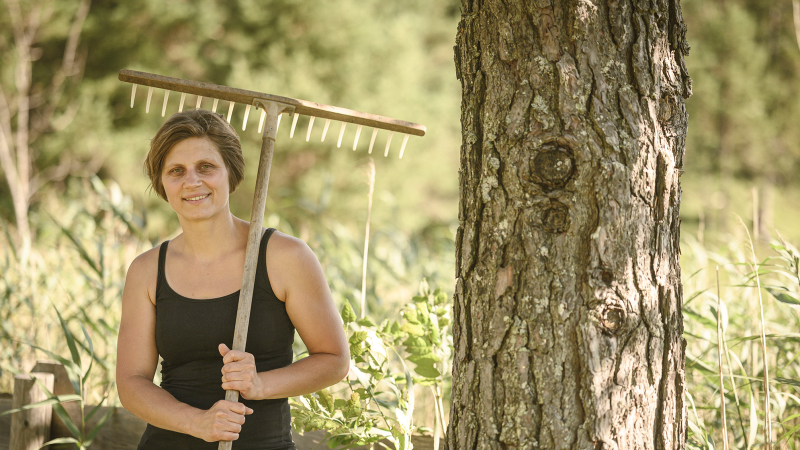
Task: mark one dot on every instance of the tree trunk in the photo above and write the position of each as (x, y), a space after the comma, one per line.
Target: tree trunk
(568, 323)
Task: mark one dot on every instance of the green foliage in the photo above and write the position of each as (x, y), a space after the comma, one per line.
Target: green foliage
(741, 361)
(376, 401)
(744, 64)
(78, 373)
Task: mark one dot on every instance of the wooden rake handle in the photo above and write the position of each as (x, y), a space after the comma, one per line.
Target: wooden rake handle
(273, 110)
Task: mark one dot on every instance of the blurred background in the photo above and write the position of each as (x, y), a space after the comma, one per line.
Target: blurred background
(75, 208)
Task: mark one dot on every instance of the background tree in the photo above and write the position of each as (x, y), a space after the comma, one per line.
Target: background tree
(567, 326)
(34, 102)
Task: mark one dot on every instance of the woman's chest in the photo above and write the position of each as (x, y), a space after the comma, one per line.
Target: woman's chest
(205, 280)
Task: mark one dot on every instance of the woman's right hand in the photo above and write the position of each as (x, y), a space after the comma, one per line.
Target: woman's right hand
(222, 422)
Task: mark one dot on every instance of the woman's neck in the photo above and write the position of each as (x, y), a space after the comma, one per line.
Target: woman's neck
(208, 240)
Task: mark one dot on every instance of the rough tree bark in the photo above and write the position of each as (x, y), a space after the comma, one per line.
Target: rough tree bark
(568, 296)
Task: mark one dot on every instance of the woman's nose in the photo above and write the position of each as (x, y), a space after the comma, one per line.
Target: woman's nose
(192, 178)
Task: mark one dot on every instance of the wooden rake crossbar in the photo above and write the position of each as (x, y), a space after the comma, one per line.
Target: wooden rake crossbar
(249, 98)
(272, 106)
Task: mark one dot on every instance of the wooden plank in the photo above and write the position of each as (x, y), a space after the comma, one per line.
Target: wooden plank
(30, 428)
(123, 430)
(247, 97)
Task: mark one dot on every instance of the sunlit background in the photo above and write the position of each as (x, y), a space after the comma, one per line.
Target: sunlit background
(84, 195)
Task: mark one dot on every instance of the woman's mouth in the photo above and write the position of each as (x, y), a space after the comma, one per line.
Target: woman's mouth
(196, 198)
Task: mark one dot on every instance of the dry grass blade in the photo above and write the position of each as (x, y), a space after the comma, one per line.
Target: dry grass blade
(767, 415)
(721, 377)
(371, 181)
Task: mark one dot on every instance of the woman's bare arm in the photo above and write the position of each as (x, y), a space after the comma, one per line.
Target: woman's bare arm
(137, 359)
(297, 278)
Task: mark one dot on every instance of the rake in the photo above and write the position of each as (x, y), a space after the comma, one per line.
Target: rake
(272, 108)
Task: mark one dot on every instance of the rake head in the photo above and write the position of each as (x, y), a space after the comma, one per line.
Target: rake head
(250, 98)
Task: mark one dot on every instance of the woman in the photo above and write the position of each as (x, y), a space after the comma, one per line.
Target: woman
(180, 302)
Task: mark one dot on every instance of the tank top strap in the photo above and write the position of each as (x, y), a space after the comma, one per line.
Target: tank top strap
(162, 278)
(261, 271)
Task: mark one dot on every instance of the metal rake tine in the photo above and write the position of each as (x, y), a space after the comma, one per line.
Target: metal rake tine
(325, 130)
(230, 112)
(403, 147)
(388, 143)
(133, 93)
(183, 99)
(372, 140)
(246, 115)
(261, 120)
(149, 96)
(294, 124)
(199, 99)
(341, 133)
(164, 107)
(214, 108)
(358, 133)
(279, 123)
(310, 124)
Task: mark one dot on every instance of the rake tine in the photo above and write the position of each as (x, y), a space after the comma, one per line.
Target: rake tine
(403, 147)
(246, 114)
(294, 124)
(325, 130)
(310, 124)
(388, 142)
(341, 133)
(214, 108)
(261, 120)
(164, 108)
(183, 99)
(149, 96)
(199, 99)
(279, 123)
(358, 133)
(372, 140)
(230, 112)
(133, 93)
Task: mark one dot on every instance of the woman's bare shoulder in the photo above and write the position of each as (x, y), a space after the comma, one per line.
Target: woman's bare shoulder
(281, 244)
(143, 272)
(288, 259)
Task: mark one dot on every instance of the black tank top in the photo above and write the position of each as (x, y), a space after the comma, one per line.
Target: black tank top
(188, 332)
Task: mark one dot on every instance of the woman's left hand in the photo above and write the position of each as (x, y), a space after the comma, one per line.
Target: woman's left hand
(239, 373)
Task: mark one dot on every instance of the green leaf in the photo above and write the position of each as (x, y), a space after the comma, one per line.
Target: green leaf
(366, 322)
(326, 399)
(440, 298)
(98, 427)
(73, 350)
(419, 298)
(429, 358)
(81, 249)
(413, 329)
(411, 315)
(426, 369)
(46, 402)
(417, 346)
(91, 353)
(358, 337)
(61, 440)
(348, 315)
(783, 297)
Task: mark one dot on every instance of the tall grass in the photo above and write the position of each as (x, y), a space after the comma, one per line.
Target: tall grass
(726, 341)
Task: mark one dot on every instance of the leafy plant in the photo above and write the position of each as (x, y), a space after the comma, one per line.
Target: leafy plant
(376, 401)
(78, 376)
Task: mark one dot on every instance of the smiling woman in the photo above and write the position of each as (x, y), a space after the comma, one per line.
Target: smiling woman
(180, 303)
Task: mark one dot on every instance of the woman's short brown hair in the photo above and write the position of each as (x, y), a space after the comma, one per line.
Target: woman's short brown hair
(197, 123)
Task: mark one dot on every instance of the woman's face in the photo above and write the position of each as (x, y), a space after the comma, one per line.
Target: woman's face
(195, 179)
